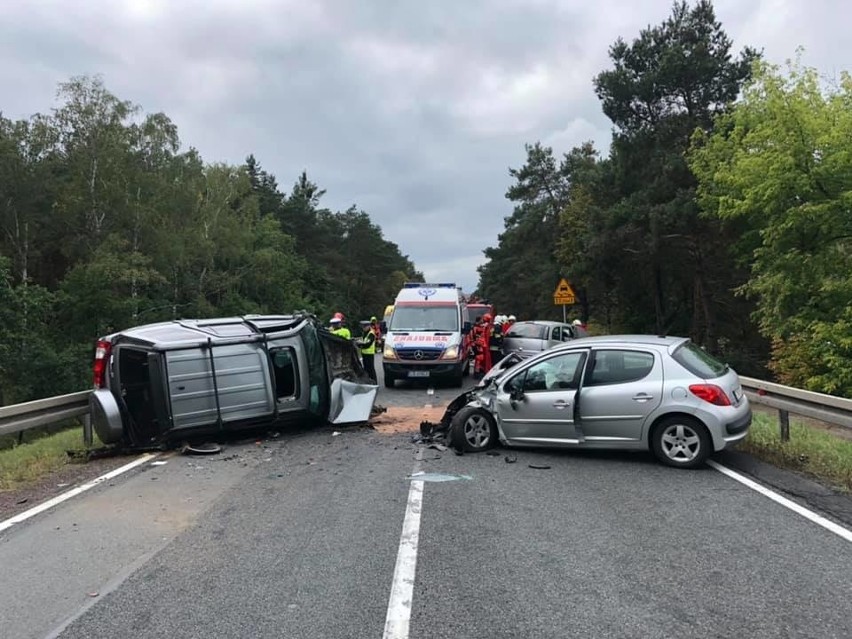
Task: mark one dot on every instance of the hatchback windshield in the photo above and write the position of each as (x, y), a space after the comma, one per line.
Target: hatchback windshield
(529, 330)
(698, 361)
(425, 318)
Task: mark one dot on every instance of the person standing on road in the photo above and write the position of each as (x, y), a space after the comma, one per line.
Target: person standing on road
(374, 324)
(337, 327)
(367, 344)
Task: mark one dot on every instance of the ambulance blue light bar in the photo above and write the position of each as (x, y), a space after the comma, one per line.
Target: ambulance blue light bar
(429, 285)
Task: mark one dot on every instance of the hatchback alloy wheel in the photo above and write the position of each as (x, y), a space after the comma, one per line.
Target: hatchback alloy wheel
(681, 441)
(473, 430)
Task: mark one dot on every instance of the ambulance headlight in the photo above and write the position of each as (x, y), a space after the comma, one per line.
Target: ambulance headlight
(451, 353)
(388, 352)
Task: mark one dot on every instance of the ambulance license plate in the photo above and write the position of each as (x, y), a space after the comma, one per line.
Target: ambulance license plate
(418, 373)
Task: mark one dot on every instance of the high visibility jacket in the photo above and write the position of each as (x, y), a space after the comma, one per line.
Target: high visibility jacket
(368, 343)
(342, 332)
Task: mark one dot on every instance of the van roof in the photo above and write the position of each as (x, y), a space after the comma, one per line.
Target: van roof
(429, 293)
(194, 331)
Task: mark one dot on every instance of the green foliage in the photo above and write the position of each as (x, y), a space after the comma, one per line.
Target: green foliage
(522, 271)
(626, 230)
(779, 166)
(811, 450)
(106, 224)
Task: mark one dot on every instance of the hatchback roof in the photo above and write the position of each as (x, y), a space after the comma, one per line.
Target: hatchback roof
(650, 340)
(541, 323)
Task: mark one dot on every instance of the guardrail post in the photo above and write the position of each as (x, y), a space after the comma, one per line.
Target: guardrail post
(784, 422)
(88, 437)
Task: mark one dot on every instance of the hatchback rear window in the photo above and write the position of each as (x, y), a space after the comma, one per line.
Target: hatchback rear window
(533, 331)
(698, 361)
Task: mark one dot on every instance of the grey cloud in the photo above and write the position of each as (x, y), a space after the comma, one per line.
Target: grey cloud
(412, 111)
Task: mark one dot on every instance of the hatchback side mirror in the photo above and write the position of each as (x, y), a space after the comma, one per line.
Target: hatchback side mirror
(516, 395)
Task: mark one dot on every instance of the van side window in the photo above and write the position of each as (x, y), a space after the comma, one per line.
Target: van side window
(285, 371)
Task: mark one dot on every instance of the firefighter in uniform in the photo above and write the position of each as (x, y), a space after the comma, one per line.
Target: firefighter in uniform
(495, 341)
(483, 345)
(476, 348)
(377, 329)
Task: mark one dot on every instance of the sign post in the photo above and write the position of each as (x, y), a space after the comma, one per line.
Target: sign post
(564, 295)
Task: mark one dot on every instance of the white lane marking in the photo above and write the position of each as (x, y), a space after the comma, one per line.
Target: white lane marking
(787, 503)
(402, 588)
(50, 503)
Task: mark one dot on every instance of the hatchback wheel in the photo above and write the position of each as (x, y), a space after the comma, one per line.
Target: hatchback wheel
(473, 430)
(681, 441)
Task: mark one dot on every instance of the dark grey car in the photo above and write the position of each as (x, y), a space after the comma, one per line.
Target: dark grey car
(539, 335)
(167, 381)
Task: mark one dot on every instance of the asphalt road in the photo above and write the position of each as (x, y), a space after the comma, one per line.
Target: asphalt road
(298, 537)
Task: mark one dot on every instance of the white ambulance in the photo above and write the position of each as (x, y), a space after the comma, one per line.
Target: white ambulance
(428, 335)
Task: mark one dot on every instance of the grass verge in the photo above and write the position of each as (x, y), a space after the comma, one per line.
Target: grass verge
(30, 462)
(810, 451)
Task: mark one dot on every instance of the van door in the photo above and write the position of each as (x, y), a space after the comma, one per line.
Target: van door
(142, 401)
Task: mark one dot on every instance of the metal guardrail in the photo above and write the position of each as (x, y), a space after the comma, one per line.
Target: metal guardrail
(43, 412)
(826, 408)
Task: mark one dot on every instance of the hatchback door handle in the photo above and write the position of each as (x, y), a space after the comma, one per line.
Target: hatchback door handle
(561, 403)
(642, 397)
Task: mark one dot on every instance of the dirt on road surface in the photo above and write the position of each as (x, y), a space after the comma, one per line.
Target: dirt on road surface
(399, 419)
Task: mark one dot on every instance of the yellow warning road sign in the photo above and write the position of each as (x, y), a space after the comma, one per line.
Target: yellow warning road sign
(564, 294)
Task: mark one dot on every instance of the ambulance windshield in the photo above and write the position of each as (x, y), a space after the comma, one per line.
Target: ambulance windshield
(425, 317)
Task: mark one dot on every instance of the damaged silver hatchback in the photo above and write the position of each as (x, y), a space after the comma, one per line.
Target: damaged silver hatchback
(169, 381)
(635, 392)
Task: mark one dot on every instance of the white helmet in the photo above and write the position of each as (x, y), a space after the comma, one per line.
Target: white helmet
(512, 318)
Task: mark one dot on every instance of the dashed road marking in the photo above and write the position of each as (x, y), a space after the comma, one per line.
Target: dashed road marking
(402, 587)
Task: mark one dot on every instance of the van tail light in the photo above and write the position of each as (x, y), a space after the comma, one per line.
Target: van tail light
(710, 393)
(102, 351)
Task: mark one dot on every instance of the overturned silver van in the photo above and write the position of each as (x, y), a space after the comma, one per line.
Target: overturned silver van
(170, 381)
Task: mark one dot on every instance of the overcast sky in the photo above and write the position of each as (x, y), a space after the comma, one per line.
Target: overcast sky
(413, 110)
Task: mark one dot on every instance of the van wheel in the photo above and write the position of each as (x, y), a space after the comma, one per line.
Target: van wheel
(681, 441)
(473, 430)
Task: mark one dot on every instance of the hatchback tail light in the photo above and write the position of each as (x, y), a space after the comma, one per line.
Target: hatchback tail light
(710, 393)
(102, 351)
